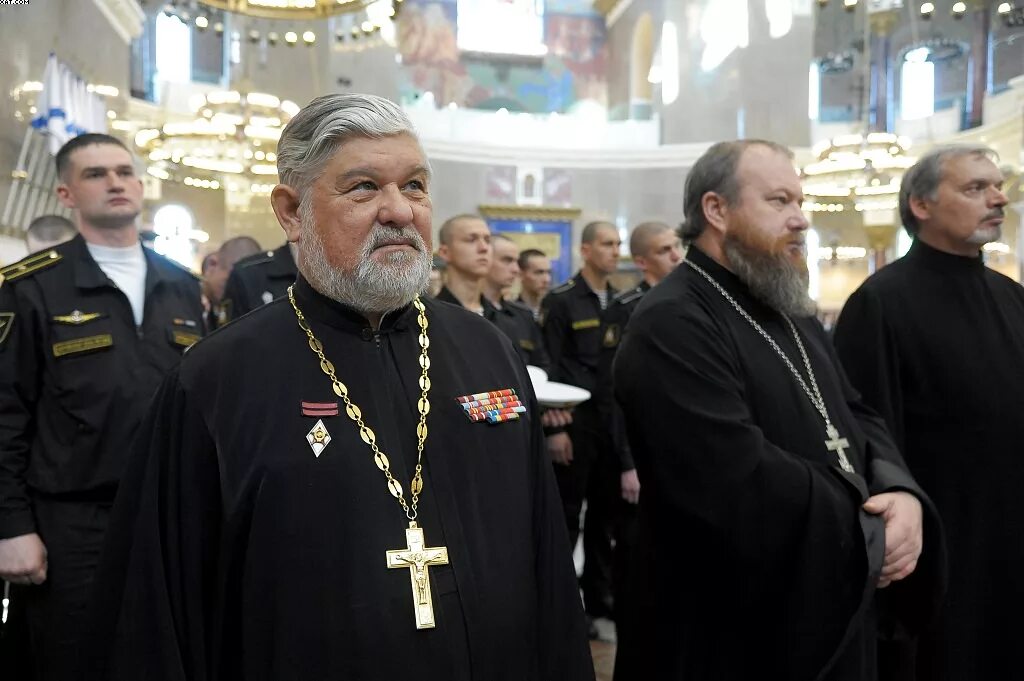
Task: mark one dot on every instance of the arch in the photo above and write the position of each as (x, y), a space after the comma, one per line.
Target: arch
(640, 62)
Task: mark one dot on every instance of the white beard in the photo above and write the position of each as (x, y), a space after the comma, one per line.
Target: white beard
(372, 286)
(985, 235)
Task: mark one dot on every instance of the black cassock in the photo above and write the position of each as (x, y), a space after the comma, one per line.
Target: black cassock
(754, 558)
(935, 342)
(236, 553)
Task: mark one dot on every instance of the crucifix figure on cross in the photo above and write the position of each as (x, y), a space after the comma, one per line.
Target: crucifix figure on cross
(839, 445)
(418, 559)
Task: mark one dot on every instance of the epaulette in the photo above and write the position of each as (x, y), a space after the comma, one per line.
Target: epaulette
(627, 297)
(30, 265)
(567, 286)
(261, 259)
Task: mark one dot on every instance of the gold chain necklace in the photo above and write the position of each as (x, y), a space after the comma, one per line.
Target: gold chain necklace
(416, 557)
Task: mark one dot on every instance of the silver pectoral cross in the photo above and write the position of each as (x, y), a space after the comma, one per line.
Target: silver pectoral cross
(418, 559)
(839, 445)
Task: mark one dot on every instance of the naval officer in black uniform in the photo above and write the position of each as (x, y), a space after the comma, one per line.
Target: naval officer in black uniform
(88, 330)
(467, 247)
(584, 461)
(257, 280)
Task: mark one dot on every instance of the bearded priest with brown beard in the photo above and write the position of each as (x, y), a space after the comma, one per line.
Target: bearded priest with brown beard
(780, 531)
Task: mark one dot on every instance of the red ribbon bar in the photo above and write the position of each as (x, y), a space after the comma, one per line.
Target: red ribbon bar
(493, 407)
(485, 395)
(319, 408)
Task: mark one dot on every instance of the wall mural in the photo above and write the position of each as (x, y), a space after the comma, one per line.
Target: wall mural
(573, 70)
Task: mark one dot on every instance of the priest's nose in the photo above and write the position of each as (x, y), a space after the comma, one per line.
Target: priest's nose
(395, 208)
(799, 222)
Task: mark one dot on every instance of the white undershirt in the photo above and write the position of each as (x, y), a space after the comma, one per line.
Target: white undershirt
(602, 297)
(126, 267)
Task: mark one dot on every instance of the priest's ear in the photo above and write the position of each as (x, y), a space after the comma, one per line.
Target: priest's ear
(920, 207)
(285, 201)
(715, 209)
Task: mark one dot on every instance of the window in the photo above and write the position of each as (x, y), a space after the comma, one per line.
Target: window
(173, 50)
(669, 63)
(814, 91)
(724, 29)
(812, 242)
(501, 26)
(917, 85)
(176, 237)
(903, 242)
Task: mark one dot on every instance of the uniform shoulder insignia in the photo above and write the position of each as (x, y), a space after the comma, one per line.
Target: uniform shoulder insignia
(257, 259)
(629, 296)
(30, 265)
(567, 286)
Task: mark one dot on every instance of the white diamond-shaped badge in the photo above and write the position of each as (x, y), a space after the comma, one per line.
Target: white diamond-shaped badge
(318, 438)
(268, 297)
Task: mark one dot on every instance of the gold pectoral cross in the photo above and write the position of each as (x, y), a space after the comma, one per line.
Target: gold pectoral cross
(838, 444)
(418, 559)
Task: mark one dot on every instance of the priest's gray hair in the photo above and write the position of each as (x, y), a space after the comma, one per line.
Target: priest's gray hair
(313, 135)
(715, 171)
(923, 178)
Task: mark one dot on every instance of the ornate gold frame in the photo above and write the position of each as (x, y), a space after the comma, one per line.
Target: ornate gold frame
(529, 213)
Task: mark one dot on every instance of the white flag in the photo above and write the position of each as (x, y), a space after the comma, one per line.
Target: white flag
(65, 108)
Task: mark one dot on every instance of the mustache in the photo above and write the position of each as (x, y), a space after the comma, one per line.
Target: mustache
(997, 213)
(381, 236)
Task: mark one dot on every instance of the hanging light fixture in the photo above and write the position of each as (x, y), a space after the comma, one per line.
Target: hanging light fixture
(859, 172)
(291, 9)
(232, 135)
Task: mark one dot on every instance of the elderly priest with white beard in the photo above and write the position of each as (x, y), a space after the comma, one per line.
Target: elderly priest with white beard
(334, 487)
(780, 531)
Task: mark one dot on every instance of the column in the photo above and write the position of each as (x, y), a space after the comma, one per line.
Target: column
(879, 111)
(978, 68)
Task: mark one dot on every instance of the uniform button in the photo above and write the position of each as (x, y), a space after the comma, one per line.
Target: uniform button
(367, 334)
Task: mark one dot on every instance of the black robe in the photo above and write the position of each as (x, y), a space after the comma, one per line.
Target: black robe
(754, 558)
(935, 343)
(236, 553)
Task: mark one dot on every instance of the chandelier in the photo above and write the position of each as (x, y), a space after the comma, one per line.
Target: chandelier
(859, 172)
(233, 135)
(363, 19)
(291, 9)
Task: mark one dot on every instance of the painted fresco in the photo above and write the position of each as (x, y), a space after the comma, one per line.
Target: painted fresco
(574, 70)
